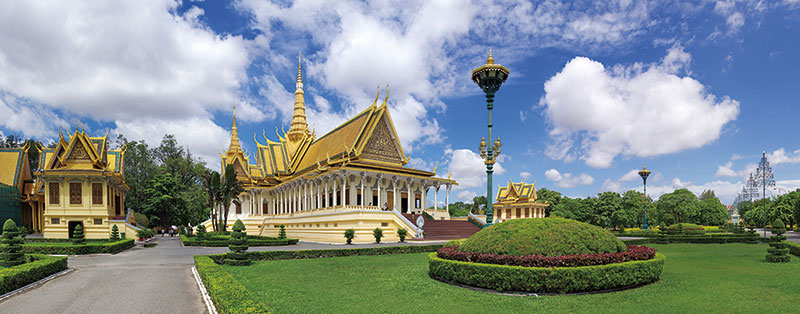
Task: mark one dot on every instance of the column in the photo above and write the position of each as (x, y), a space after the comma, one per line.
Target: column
(378, 180)
(317, 191)
(334, 201)
(436, 197)
(410, 196)
(326, 200)
(344, 188)
(447, 197)
(396, 192)
(423, 195)
(363, 196)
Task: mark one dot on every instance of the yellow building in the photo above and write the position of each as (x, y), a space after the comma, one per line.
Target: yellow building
(351, 177)
(82, 182)
(518, 200)
(15, 172)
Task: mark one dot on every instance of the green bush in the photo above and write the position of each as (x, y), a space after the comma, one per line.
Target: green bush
(10, 250)
(141, 219)
(223, 241)
(684, 228)
(141, 233)
(201, 232)
(778, 247)
(402, 233)
(237, 245)
(746, 237)
(282, 233)
(640, 233)
(228, 295)
(304, 254)
(349, 234)
(452, 243)
(114, 232)
(548, 280)
(378, 234)
(794, 248)
(550, 236)
(91, 247)
(77, 235)
(37, 267)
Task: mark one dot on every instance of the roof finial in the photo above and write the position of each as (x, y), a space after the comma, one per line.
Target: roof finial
(377, 95)
(490, 60)
(299, 71)
(387, 95)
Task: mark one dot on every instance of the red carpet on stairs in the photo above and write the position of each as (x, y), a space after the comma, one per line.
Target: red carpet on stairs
(445, 229)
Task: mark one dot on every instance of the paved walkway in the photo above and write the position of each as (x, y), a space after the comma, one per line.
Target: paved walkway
(138, 280)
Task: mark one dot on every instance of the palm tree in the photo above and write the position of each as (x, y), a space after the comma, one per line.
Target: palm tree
(212, 186)
(230, 189)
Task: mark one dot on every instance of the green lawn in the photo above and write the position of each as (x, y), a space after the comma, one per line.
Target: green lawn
(697, 278)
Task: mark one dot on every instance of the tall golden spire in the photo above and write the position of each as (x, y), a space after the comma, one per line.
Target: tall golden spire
(299, 128)
(234, 133)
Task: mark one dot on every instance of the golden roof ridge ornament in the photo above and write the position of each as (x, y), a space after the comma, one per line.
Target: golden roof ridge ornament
(387, 95)
(378, 95)
(299, 127)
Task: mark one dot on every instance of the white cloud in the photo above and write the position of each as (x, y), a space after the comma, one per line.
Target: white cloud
(736, 157)
(734, 19)
(468, 168)
(202, 136)
(780, 156)
(127, 62)
(641, 110)
(525, 175)
(568, 180)
(466, 196)
(32, 120)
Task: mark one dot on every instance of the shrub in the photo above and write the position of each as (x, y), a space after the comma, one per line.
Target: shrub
(282, 233)
(10, 254)
(402, 234)
(228, 295)
(547, 280)
(454, 243)
(77, 235)
(684, 228)
(37, 267)
(223, 241)
(181, 230)
(22, 231)
(778, 248)
(141, 219)
(349, 234)
(634, 253)
(91, 247)
(702, 238)
(550, 236)
(201, 232)
(307, 254)
(114, 232)
(378, 234)
(238, 246)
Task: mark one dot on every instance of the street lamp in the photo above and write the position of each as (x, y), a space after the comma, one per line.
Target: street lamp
(644, 174)
(489, 77)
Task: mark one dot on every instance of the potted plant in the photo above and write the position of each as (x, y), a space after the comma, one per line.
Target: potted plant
(402, 234)
(349, 234)
(378, 234)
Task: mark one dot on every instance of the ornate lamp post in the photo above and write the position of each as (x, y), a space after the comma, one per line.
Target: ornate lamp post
(489, 77)
(644, 174)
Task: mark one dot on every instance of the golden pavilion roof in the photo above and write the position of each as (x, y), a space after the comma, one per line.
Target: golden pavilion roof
(81, 152)
(517, 191)
(14, 166)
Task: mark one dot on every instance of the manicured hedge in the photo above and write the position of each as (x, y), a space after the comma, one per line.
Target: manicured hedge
(88, 248)
(228, 295)
(698, 238)
(62, 240)
(794, 248)
(634, 253)
(548, 280)
(38, 267)
(638, 233)
(223, 241)
(551, 236)
(302, 254)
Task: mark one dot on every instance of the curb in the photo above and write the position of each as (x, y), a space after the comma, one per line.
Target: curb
(206, 298)
(35, 284)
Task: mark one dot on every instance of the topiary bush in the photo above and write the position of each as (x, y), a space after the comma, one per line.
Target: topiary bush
(238, 246)
(349, 234)
(402, 233)
(684, 228)
(282, 233)
(77, 235)
(378, 234)
(778, 249)
(550, 236)
(11, 250)
(114, 232)
(201, 232)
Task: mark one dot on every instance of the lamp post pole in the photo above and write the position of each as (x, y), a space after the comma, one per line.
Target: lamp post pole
(644, 174)
(489, 78)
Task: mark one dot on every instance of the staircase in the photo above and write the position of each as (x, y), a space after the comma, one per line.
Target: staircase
(445, 229)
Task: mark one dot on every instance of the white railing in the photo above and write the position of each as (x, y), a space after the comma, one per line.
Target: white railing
(470, 214)
(417, 230)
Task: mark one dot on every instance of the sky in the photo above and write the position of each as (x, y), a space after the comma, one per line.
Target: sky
(695, 90)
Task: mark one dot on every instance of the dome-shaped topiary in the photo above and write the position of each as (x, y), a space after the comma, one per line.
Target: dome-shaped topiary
(9, 228)
(550, 236)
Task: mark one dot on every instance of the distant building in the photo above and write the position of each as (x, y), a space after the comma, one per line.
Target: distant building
(518, 200)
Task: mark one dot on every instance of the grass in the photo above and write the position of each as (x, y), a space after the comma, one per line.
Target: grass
(708, 278)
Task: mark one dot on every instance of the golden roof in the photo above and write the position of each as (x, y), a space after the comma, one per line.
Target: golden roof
(517, 191)
(13, 162)
(82, 152)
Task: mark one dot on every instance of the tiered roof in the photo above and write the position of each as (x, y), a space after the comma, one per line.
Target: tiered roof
(81, 152)
(517, 191)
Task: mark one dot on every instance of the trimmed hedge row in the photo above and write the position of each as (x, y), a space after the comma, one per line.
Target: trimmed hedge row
(228, 295)
(303, 254)
(62, 240)
(634, 253)
(88, 248)
(704, 238)
(794, 248)
(548, 280)
(223, 242)
(38, 267)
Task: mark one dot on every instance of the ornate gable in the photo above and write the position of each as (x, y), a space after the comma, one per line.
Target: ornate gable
(382, 145)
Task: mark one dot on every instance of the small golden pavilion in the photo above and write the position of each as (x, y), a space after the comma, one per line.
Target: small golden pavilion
(351, 177)
(518, 200)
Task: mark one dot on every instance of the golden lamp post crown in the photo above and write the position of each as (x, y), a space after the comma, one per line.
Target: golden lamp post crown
(490, 75)
(644, 173)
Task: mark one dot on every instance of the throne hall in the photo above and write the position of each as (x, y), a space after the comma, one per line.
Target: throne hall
(352, 177)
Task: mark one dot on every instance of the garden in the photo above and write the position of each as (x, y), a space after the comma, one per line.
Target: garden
(18, 269)
(223, 238)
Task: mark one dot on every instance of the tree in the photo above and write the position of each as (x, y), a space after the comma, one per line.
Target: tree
(607, 203)
(634, 201)
(163, 198)
(77, 235)
(623, 218)
(676, 207)
(707, 194)
(459, 209)
(782, 208)
(229, 191)
(574, 208)
(552, 198)
(479, 205)
(212, 185)
(711, 212)
(114, 232)
(11, 251)
(140, 168)
(755, 217)
(743, 207)
(238, 245)
(201, 232)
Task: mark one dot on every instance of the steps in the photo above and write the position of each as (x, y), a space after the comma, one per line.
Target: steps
(445, 229)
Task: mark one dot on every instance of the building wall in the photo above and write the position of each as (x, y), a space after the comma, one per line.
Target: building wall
(94, 217)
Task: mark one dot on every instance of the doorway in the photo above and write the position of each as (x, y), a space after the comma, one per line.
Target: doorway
(72, 225)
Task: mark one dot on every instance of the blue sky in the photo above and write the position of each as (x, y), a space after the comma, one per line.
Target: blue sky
(696, 90)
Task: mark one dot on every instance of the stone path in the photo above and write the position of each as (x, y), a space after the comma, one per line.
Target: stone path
(138, 280)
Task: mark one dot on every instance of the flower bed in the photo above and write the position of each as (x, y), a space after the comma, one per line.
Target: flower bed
(220, 241)
(634, 253)
(90, 247)
(545, 279)
(37, 267)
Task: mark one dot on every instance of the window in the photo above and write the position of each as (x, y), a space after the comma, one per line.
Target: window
(97, 193)
(54, 194)
(75, 193)
(238, 209)
(98, 221)
(54, 221)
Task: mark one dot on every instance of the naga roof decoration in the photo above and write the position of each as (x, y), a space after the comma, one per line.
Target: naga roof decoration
(517, 191)
(79, 151)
